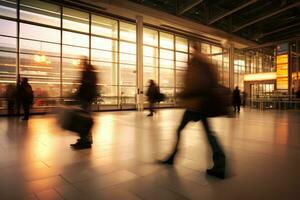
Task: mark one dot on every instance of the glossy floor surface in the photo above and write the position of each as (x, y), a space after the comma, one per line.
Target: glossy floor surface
(263, 155)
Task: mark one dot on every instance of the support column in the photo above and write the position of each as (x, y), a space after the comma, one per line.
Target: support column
(231, 66)
(140, 63)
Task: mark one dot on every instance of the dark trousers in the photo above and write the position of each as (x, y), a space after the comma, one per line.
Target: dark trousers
(87, 107)
(236, 107)
(26, 108)
(152, 107)
(218, 154)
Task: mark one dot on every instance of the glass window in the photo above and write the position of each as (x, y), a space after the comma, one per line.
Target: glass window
(75, 52)
(7, 67)
(100, 55)
(39, 33)
(75, 20)
(205, 48)
(166, 77)
(104, 44)
(127, 31)
(180, 78)
(215, 49)
(166, 40)
(150, 62)
(181, 44)
(75, 39)
(29, 46)
(166, 54)
(10, 27)
(8, 44)
(183, 57)
(150, 51)
(104, 26)
(150, 37)
(8, 8)
(107, 72)
(150, 73)
(127, 47)
(127, 74)
(40, 12)
(166, 63)
(127, 58)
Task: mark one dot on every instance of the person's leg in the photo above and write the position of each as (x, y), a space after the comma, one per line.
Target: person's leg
(238, 107)
(218, 153)
(26, 110)
(151, 108)
(187, 117)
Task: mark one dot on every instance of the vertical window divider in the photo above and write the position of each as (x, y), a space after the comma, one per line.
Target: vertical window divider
(61, 53)
(118, 66)
(90, 38)
(18, 42)
(174, 70)
(158, 63)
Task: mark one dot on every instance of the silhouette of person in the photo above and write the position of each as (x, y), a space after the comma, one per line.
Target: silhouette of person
(26, 97)
(10, 96)
(236, 99)
(201, 78)
(86, 94)
(152, 94)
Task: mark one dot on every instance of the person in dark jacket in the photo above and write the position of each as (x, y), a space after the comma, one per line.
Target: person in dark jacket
(26, 97)
(152, 94)
(86, 94)
(236, 99)
(201, 79)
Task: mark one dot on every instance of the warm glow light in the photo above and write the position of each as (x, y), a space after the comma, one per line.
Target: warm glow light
(41, 58)
(260, 76)
(282, 71)
(76, 62)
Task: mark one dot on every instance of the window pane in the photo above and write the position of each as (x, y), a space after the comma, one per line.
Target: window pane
(75, 39)
(108, 56)
(150, 62)
(74, 52)
(127, 47)
(180, 78)
(150, 51)
(71, 71)
(8, 27)
(127, 75)
(107, 72)
(8, 44)
(150, 73)
(34, 47)
(75, 20)
(166, 54)
(150, 37)
(166, 40)
(127, 58)
(182, 57)
(205, 48)
(8, 8)
(104, 26)
(181, 44)
(7, 67)
(39, 33)
(166, 77)
(127, 32)
(181, 65)
(40, 12)
(215, 49)
(104, 44)
(167, 63)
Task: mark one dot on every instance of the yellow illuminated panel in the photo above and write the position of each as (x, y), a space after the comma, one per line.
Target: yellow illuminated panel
(282, 71)
(260, 76)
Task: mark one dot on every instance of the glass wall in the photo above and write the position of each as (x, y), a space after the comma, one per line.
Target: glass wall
(47, 42)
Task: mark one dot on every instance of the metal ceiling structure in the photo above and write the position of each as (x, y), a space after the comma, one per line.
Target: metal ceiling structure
(261, 21)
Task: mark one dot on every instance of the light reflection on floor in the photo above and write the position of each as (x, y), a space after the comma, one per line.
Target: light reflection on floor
(263, 152)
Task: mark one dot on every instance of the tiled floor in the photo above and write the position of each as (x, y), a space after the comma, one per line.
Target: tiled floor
(263, 153)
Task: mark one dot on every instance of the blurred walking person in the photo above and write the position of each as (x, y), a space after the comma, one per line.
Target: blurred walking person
(86, 94)
(152, 94)
(236, 99)
(26, 97)
(201, 102)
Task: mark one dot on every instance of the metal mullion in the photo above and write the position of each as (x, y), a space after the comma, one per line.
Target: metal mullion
(18, 42)
(90, 38)
(38, 24)
(38, 40)
(158, 63)
(118, 65)
(61, 52)
(174, 68)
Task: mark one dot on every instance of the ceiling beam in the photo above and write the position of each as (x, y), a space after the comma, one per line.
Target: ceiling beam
(231, 12)
(266, 16)
(273, 43)
(189, 6)
(277, 30)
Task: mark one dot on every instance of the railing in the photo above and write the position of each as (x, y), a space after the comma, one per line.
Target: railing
(274, 103)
